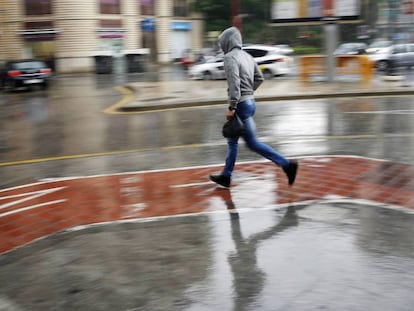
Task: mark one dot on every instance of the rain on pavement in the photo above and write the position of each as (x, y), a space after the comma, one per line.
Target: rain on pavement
(246, 249)
(67, 122)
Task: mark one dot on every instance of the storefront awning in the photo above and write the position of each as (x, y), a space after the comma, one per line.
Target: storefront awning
(48, 34)
(111, 33)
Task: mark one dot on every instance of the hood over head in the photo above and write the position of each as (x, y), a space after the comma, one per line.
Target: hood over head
(229, 39)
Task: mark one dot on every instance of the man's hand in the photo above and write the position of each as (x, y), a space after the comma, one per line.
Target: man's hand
(230, 114)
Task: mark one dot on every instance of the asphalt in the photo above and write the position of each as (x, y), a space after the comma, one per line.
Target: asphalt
(190, 93)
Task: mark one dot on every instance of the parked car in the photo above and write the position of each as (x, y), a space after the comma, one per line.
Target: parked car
(402, 55)
(269, 59)
(351, 48)
(379, 46)
(24, 73)
(210, 69)
(397, 55)
(378, 52)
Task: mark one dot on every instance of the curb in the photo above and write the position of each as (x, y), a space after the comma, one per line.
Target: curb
(193, 103)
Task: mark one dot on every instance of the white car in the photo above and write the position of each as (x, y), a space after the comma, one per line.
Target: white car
(271, 62)
(211, 69)
(269, 59)
(285, 49)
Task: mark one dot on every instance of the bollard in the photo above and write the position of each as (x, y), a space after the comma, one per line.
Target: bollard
(346, 64)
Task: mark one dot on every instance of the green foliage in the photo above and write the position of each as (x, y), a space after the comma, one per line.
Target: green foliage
(216, 14)
(305, 50)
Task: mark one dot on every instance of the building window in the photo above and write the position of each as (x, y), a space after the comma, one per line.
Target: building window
(39, 31)
(110, 23)
(110, 7)
(147, 7)
(38, 25)
(38, 7)
(181, 8)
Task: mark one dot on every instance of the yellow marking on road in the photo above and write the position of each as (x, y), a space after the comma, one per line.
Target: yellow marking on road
(128, 97)
(67, 157)
(282, 140)
(103, 154)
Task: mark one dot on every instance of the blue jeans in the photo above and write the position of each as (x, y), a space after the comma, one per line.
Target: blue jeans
(245, 110)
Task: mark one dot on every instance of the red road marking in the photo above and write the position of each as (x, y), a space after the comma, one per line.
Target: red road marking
(33, 211)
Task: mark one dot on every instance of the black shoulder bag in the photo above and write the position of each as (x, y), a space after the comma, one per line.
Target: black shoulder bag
(233, 127)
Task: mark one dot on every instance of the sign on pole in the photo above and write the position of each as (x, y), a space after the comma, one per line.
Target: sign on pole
(299, 11)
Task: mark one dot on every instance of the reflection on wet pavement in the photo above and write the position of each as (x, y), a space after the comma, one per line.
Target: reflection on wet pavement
(319, 255)
(340, 239)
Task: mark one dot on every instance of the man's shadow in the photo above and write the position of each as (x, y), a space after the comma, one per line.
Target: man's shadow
(248, 279)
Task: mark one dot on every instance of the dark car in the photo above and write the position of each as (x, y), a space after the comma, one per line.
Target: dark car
(351, 48)
(25, 73)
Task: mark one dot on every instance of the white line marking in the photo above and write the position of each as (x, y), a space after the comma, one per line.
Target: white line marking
(192, 184)
(382, 112)
(307, 158)
(27, 197)
(250, 210)
(31, 207)
(262, 177)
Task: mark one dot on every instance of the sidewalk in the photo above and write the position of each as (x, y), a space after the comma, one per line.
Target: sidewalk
(189, 93)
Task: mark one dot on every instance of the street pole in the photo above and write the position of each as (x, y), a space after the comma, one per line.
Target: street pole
(235, 13)
(331, 40)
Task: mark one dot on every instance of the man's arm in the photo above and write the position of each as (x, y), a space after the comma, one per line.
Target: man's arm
(231, 68)
(258, 77)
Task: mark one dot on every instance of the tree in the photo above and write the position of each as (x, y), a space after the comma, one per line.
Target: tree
(216, 13)
(217, 16)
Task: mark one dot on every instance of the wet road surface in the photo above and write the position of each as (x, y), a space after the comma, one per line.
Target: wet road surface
(64, 132)
(340, 239)
(321, 256)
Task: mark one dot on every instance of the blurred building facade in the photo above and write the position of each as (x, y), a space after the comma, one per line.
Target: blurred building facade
(396, 20)
(69, 33)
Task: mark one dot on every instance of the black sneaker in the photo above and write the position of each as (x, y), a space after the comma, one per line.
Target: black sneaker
(221, 180)
(291, 171)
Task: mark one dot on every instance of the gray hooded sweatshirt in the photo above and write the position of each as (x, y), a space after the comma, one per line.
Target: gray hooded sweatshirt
(242, 73)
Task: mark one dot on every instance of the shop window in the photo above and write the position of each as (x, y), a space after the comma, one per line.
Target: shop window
(39, 31)
(38, 25)
(38, 7)
(147, 7)
(181, 8)
(110, 6)
(110, 23)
